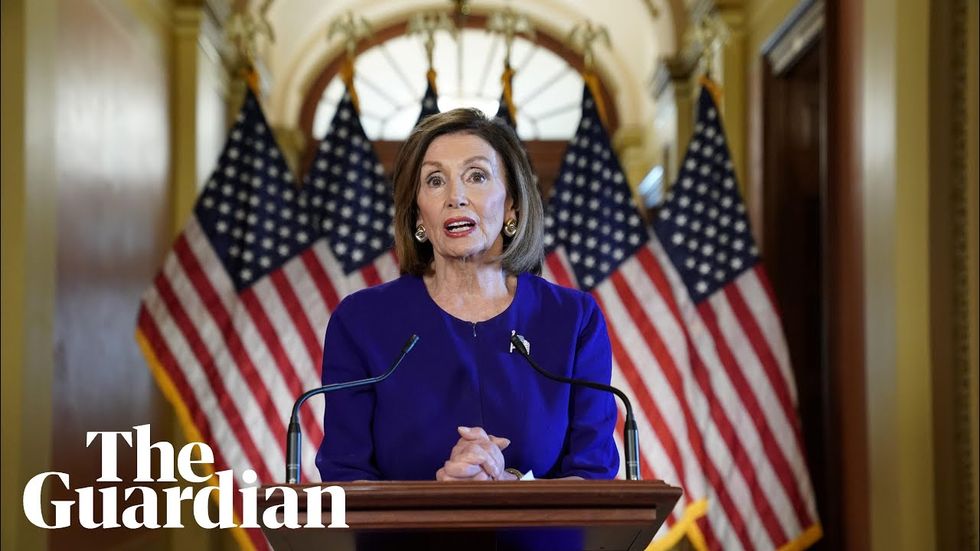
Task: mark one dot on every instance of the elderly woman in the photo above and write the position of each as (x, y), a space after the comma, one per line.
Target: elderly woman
(464, 405)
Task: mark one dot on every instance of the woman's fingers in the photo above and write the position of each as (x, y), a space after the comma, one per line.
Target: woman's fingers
(461, 470)
(476, 456)
(472, 433)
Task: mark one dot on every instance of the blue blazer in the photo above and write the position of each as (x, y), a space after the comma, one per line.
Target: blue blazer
(464, 373)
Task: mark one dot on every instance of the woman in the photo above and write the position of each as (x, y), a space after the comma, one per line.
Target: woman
(464, 405)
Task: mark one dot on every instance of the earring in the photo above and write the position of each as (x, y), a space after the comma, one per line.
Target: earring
(510, 227)
(420, 234)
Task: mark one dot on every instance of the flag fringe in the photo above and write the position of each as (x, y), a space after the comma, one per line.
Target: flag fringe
(685, 526)
(506, 80)
(184, 418)
(807, 538)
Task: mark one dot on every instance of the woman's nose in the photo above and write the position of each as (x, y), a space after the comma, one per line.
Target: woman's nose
(457, 195)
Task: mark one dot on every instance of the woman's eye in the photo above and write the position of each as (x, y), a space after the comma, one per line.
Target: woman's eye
(478, 176)
(434, 181)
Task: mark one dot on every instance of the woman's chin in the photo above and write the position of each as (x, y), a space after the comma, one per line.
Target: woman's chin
(468, 254)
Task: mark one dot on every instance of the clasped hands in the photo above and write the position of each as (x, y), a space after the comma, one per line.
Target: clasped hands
(476, 456)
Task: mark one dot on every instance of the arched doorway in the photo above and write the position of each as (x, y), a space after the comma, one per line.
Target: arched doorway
(390, 81)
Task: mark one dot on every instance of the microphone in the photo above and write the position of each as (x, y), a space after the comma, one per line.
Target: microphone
(294, 436)
(630, 434)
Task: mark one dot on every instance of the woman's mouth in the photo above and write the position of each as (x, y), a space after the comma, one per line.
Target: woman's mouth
(459, 227)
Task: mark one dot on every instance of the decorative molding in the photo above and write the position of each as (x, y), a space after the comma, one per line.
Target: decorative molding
(671, 69)
(963, 433)
(651, 8)
(791, 40)
(213, 41)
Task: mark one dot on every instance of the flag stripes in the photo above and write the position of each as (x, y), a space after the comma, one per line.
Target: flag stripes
(235, 318)
(695, 336)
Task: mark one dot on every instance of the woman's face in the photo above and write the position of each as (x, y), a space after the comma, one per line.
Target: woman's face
(462, 197)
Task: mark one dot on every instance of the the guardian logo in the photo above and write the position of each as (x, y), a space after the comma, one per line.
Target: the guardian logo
(144, 505)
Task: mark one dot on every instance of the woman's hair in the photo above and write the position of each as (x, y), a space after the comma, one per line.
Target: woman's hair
(522, 253)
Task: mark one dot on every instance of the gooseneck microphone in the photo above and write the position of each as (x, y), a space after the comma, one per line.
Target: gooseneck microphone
(294, 436)
(630, 436)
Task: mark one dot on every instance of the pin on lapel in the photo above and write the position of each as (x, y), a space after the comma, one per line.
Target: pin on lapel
(527, 345)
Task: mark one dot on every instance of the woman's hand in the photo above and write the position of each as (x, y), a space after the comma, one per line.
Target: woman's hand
(476, 456)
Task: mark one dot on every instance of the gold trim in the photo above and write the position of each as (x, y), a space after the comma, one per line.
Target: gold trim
(684, 527)
(169, 391)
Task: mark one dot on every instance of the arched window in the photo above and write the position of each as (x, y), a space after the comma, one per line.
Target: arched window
(390, 82)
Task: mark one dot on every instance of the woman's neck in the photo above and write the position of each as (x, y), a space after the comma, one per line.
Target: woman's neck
(470, 291)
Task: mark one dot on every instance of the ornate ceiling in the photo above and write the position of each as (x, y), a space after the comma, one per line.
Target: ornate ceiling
(641, 32)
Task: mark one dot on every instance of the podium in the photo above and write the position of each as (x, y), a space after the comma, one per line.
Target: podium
(547, 515)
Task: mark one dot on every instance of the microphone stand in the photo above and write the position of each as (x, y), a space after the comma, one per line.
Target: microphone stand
(294, 435)
(630, 433)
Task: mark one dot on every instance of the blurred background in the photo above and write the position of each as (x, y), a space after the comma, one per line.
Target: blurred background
(853, 132)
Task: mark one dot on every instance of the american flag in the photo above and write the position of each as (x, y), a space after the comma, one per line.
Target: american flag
(505, 108)
(430, 101)
(695, 335)
(232, 325)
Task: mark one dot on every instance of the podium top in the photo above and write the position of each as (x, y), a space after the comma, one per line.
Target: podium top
(596, 514)
(497, 504)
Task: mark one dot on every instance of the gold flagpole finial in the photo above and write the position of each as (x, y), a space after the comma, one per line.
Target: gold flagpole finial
(509, 23)
(244, 29)
(353, 29)
(583, 35)
(427, 24)
(710, 32)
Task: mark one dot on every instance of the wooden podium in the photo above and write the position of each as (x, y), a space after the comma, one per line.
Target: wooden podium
(546, 515)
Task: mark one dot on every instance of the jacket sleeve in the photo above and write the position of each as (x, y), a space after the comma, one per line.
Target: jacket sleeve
(347, 450)
(591, 447)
